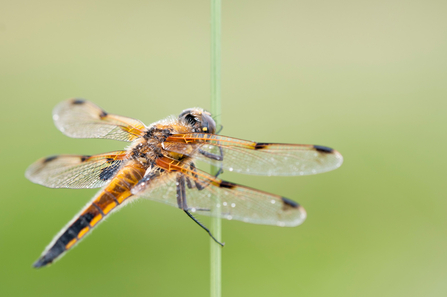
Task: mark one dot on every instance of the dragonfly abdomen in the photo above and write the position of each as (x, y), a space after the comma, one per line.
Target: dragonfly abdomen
(108, 199)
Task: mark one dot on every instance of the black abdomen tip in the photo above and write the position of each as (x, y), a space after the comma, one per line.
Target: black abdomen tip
(55, 251)
(41, 262)
(323, 149)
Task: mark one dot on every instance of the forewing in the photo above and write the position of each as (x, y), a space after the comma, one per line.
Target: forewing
(75, 171)
(79, 118)
(236, 202)
(255, 158)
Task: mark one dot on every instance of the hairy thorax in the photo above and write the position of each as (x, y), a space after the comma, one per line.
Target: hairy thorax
(148, 148)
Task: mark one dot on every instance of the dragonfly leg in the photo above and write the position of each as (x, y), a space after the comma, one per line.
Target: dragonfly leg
(181, 192)
(203, 227)
(199, 186)
(211, 155)
(181, 202)
(220, 129)
(215, 157)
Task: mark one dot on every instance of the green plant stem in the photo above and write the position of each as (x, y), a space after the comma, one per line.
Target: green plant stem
(216, 228)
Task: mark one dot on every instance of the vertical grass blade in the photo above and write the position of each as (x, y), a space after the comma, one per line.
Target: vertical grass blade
(216, 228)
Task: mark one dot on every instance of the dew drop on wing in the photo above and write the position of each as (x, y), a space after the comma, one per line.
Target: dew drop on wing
(273, 201)
(231, 169)
(233, 204)
(229, 217)
(224, 204)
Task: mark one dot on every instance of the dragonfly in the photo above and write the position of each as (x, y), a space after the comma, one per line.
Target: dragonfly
(160, 164)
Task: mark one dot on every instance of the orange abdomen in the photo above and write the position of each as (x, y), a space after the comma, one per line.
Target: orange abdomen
(108, 199)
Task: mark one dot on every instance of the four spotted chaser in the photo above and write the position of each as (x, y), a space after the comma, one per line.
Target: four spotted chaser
(160, 165)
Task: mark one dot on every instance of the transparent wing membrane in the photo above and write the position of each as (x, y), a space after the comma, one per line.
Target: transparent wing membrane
(236, 202)
(82, 119)
(255, 158)
(75, 171)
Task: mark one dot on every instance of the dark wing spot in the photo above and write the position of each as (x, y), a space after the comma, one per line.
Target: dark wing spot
(78, 101)
(103, 114)
(85, 158)
(323, 149)
(289, 203)
(225, 184)
(109, 171)
(49, 159)
(260, 145)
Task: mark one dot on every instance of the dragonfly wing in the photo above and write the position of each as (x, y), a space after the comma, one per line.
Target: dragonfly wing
(203, 192)
(255, 158)
(79, 118)
(76, 171)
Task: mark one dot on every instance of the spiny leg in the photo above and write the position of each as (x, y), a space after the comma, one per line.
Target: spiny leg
(211, 155)
(204, 228)
(214, 157)
(181, 201)
(220, 129)
(181, 192)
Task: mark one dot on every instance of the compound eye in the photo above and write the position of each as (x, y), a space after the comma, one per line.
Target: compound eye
(208, 124)
(191, 119)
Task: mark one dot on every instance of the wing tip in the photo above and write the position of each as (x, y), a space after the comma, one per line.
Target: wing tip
(330, 151)
(290, 205)
(339, 158)
(303, 214)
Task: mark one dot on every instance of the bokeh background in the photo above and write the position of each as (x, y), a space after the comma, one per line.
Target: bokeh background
(368, 78)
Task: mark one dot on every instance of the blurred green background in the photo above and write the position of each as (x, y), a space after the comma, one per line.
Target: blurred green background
(368, 78)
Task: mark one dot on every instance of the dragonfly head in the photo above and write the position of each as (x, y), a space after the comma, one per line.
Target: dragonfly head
(200, 120)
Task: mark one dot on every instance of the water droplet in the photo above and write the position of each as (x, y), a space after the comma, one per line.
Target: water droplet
(273, 201)
(231, 168)
(224, 204)
(229, 217)
(218, 205)
(233, 204)
(193, 209)
(55, 117)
